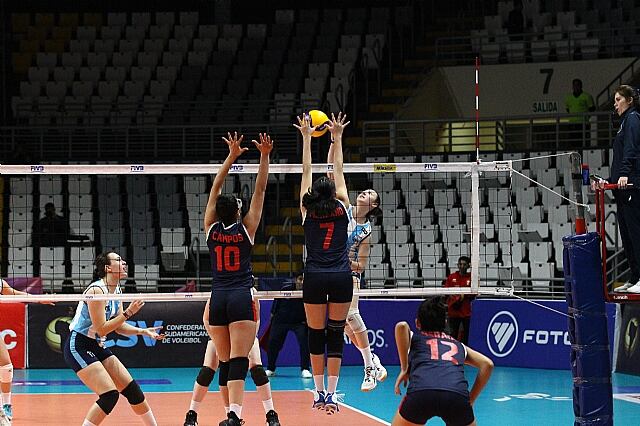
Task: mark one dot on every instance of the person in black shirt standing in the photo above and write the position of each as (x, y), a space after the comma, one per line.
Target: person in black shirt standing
(288, 315)
(625, 171)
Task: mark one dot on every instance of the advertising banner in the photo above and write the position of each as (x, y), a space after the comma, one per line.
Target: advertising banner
(518, 333)
(380, 316)
(13, 332)
(628, 354)
(184, 345)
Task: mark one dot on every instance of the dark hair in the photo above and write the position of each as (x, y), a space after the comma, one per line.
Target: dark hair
(432, 314)
(100, 262)
(627, 92)
(227, 209)
(320, 198)
(465, 259)
(577, 80)
(375, 212)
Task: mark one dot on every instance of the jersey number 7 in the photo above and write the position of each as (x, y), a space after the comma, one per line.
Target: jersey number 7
(327, 238)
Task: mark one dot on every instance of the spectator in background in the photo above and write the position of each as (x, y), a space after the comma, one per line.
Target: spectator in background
(459, 306)
(515, 21)
(288, 315)
(52, 229)
(578, 102)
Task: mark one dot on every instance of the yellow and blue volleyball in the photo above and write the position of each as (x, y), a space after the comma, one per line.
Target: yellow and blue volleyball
(320, 120)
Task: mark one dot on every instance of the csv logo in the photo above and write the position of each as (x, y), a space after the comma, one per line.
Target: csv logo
(37, 169)
(137, 169)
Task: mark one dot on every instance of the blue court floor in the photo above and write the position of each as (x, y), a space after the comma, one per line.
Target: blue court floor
(514, 396)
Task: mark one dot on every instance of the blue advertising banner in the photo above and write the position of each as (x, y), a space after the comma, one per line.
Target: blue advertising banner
(517, 333)
(380, 316)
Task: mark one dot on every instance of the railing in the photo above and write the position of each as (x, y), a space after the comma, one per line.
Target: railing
(513, 133)
(194, 252)
(288, 232)
(272, 249)
(626, 75)
(612, 43)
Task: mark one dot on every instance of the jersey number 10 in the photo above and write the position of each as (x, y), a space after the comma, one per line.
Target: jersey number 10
(227, 258)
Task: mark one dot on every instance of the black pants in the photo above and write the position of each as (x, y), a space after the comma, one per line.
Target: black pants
(278, 335)
(454, 325)
(628, 204)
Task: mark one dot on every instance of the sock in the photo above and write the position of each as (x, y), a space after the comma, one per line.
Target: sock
(194, 405)
(148, 419)
(268, 405)
(87, 423)
(319, 381)
(332, 384)
(264, 392)
(236, 408)
(226, 410)
(6, 398)
(366, 356)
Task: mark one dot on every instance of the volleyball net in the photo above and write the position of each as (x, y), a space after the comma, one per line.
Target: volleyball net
(58, 217)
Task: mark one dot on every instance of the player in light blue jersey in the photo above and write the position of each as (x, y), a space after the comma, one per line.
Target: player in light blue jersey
(360, 214)
(84, 351)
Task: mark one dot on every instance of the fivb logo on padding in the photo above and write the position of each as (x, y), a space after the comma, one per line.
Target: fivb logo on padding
(502, 334)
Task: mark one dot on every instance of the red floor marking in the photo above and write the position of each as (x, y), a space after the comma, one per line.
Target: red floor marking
(294, 408)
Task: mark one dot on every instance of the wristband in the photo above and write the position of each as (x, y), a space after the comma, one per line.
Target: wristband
(126, 314)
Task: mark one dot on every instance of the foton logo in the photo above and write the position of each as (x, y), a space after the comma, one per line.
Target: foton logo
(430, 166)
(236, 168)
(137, 169)
(37, 169)
(502, 334)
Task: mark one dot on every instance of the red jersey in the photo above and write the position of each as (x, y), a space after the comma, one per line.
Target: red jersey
(459, 307)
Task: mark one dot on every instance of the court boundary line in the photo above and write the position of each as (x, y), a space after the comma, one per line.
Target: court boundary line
(369, 415)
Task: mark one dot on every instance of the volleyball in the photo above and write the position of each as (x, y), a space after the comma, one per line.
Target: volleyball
(52, 334)
(320, 120)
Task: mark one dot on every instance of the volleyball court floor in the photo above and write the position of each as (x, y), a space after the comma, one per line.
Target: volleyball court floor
(514, 396)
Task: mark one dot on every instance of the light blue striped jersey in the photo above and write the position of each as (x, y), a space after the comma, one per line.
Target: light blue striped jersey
(81, 322)
(356, 234)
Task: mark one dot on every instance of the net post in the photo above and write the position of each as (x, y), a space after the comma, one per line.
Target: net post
(576, 180)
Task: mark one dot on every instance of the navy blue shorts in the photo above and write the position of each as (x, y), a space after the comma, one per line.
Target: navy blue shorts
(80, 351)
(452, 407)
(229, 306)
(319, 288)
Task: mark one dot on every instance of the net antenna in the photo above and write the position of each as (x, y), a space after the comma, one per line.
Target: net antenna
(410, 263)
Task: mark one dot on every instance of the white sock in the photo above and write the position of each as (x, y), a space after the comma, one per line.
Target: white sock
(236, 408)
(6, 398)
(332, 384)
(194, 405)
(264, 392)
(366, 356)
(87, 423)
(148, 419)
(268, 405)
(226, 410)
(319, 381)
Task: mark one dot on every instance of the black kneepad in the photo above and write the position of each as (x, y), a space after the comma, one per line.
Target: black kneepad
(259, 376)
(223, 373)
(107, 401)
(205, 376)
(133, 393)
(317, 341)
(335, 338)
(238, 368)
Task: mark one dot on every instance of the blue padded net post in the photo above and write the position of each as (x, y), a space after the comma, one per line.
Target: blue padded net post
(590, 361)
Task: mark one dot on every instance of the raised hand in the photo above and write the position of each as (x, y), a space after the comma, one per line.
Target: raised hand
(134, 307)
(233, 142)
(337, 125)
(304, 125)
(265, 145)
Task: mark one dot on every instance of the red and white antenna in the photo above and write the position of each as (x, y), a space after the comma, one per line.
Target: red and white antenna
(477, 112)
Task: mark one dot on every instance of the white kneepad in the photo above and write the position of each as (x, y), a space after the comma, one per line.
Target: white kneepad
(6, 373)
(355, 322)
